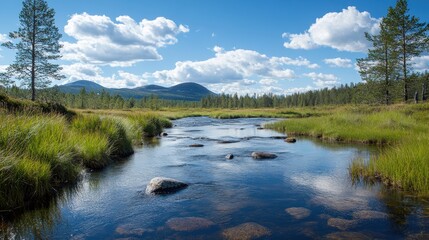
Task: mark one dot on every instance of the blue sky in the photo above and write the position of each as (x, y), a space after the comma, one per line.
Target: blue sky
(230, 46)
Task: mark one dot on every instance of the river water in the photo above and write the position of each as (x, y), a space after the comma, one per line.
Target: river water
(304, 193)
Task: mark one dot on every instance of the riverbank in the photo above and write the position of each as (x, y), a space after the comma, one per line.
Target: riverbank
(44, 147)
(401, 130)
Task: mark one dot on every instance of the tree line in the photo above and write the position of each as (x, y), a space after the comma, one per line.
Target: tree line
(386, 72)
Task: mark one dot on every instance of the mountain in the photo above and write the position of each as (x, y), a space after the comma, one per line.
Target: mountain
(185, 91)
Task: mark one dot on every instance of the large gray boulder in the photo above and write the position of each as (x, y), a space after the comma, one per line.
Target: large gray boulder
(263, 155)
(161, 185)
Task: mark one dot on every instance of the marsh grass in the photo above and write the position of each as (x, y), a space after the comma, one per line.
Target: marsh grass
(41, 152)
(402, 130)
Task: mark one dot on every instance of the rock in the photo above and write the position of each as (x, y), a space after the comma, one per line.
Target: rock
(368, 214)
(229, 156)
(128, 229)
(342, 224)
(278, 137)
(346, 236)
(260, 128)
(164, 134)
(160, 185)
(290, 140)
(196, 145)
(263, 155)
(227, 141)
(246, 231)
(298, 212)
(187, 224)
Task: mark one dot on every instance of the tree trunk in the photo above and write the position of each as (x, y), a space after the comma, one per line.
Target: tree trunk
(404, 61)
(386, 75)
(33, 55)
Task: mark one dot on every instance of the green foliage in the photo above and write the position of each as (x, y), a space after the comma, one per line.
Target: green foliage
(39, 44)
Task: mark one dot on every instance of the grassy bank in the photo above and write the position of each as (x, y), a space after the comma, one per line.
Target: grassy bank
(403, 130)
(40, 152)
(176, 113)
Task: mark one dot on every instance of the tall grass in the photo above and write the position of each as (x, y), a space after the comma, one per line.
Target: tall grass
(402, 129)
(41, 152)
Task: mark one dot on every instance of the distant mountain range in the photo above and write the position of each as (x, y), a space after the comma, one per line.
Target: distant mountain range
(185, 91)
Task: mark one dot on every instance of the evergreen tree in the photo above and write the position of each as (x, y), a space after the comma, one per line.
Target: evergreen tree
(410, 36)
(381, 63)
(38, 45)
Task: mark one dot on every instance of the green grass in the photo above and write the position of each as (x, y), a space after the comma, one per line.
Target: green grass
(402, 130)
(40, 152)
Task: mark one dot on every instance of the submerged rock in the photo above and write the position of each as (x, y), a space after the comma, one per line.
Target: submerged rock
(128, 229)
(164, 134)
(263, 155)
(187, 224)
(246, 231)
(161, 185)
(298, 212)
(229, 156)
(342, 224)
(196, 145)
(346, 236)
(368, 214)
(290, 140)
(260, 128)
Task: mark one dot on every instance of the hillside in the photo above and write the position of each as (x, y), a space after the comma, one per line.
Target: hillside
(185, 91)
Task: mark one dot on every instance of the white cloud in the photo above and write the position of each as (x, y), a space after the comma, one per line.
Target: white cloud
(421, 63)
(290, 91)
(3, 38)
(3, 68)
(343, 31)
(322, 80)
(122, 43)
(242, 89)
(121, 79)
(268, 82)
(339, 62)
(232, 66)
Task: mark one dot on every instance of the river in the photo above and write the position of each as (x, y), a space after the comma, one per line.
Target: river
(304, 193)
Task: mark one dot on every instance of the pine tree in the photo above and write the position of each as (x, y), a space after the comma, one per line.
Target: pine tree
(38, 45)
(411, 38)
(381, 63)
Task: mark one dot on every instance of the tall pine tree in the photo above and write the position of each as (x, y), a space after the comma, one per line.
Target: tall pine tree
(381, 63)
(410, 36)
(38, 45)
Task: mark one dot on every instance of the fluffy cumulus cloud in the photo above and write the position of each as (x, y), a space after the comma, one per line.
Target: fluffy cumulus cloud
(339, 62)
(232, 66)
(100, 40)
(322, 80)
(121, 79)
(344, 31)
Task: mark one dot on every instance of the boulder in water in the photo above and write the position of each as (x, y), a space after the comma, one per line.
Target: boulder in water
(229, 156)
(161, 185)
(290, 140)
(263, 155)
(196, 145)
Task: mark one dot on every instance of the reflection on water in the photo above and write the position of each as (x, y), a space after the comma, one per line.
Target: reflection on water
(304, 193)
